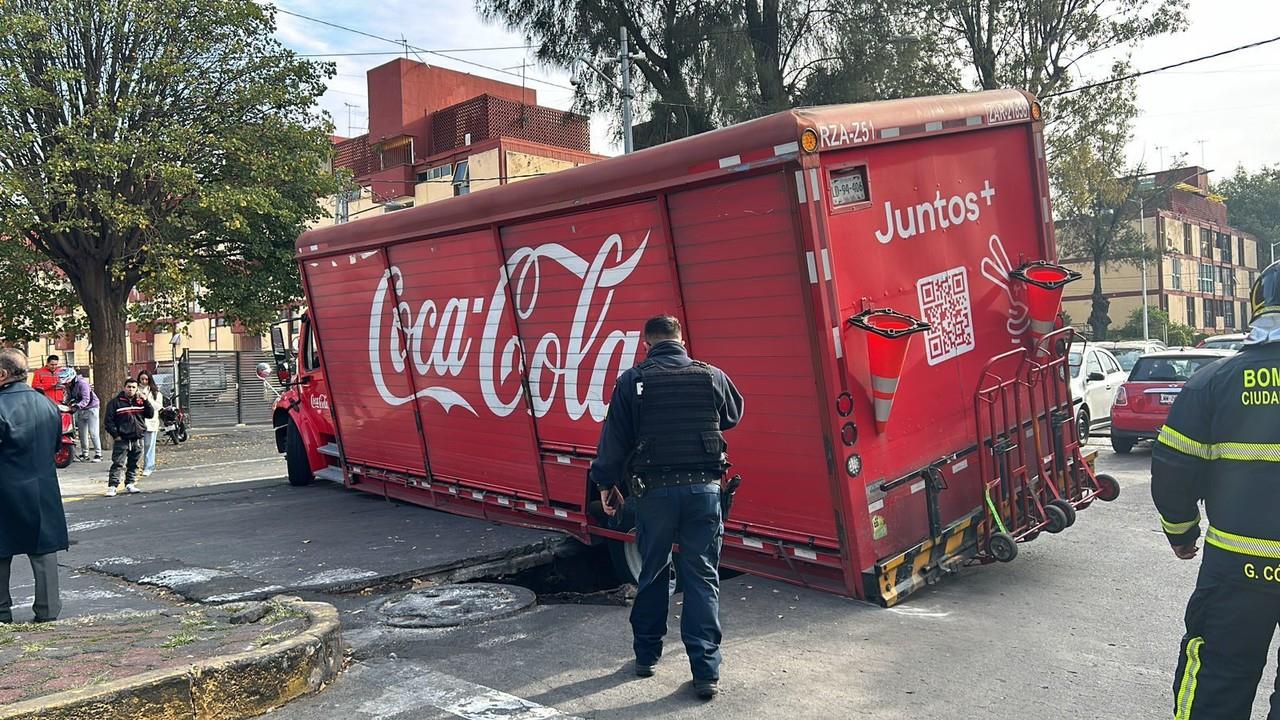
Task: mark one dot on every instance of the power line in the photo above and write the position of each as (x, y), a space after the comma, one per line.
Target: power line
(1141, 73)
(408, 46)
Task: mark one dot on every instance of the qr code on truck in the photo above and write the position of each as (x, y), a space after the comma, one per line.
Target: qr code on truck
(945, 305)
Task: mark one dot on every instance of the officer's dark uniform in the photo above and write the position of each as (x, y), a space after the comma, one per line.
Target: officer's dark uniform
(1221, 444)
(665, 419)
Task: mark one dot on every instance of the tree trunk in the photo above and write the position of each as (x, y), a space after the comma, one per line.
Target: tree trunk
(1098, 317)
(105, 304)
(764, 31)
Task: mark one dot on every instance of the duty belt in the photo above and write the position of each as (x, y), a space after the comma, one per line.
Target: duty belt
(640, 484)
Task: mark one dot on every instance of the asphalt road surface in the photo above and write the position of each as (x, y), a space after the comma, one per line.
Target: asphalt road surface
(1084, 624)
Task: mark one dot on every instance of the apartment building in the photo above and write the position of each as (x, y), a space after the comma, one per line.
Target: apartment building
(436, 133)
(1204, 269)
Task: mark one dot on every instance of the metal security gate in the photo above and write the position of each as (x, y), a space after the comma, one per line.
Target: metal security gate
(221, 388)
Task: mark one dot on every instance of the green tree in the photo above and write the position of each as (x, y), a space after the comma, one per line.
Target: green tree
(159, 149)
(1253, 201)
(1173, 333)
(703, 64)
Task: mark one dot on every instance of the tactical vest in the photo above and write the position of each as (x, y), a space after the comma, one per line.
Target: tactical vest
(679, 423)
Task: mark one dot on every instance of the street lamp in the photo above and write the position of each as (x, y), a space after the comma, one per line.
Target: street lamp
(174, 341)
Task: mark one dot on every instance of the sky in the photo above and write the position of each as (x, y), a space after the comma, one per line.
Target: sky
(1232, 103)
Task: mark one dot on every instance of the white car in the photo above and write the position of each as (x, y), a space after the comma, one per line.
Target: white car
(1095, 377)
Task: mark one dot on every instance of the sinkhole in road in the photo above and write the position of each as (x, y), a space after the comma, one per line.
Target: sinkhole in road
(580, 578)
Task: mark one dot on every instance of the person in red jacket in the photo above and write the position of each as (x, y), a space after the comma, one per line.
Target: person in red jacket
(45, 380)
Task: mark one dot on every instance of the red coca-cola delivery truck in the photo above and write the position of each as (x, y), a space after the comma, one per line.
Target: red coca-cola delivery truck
(875, 278)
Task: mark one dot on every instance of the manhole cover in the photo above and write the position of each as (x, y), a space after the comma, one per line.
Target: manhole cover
(451, 605)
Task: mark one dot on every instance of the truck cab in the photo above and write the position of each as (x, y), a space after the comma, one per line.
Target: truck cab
(302, 419)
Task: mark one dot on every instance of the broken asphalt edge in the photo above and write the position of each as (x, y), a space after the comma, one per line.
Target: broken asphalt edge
(226, 687)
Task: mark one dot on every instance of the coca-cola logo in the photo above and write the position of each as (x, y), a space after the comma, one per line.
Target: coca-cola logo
(435, 342)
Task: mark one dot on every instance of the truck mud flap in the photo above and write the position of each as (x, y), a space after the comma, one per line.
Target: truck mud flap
(897, 576)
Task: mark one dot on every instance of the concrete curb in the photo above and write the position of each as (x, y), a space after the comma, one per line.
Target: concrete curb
(228, 687)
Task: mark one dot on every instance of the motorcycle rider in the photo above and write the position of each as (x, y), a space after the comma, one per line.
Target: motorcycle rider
(126, 424)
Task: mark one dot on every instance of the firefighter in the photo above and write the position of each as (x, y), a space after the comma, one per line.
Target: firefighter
(663, 437)
(1221, 444)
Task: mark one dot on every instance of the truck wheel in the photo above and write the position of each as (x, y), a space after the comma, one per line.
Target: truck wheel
(1055, 519)
(625, 557)
(1067, 508)
(295, 456)
(1082, 425)
(1108, 487)
(1002, 547)
(1121, 445)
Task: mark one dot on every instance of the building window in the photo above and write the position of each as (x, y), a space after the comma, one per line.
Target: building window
(1206, 243)
(1186, 238)
(1224, 246)
(439, 172)
(1175, 268)
(461, 178)
(1191, 312)
(1244, 313)
(1206, 279)
(1240, 248)
(1229, 315)
(213, 330)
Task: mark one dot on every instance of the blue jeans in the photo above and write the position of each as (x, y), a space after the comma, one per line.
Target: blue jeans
(149, 450)
(687, 515)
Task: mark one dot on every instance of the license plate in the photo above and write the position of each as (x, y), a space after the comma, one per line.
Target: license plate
(1168, 398)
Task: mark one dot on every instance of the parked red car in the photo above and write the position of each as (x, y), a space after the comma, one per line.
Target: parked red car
(1142, 403)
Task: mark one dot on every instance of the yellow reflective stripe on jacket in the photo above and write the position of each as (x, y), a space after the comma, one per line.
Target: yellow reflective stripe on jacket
(1178, 528)
(1258, 547)
(1183, 444)
(1245, 452)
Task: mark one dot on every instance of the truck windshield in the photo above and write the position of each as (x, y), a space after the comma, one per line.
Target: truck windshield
(1179, 369)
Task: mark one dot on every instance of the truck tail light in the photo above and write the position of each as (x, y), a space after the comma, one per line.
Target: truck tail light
(1122, 396)
(887, 338)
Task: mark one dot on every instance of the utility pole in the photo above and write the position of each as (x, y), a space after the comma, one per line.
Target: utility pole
(624, 58)
(1160, 151)
(1142, 230)
(1201, 144)
(349, 106)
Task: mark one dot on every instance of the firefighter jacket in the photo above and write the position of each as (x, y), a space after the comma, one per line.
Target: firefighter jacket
(620, 434)
(1221, 445)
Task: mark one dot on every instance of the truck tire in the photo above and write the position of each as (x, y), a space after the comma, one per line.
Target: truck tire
(625, 557)
(295, 456)
(1121, 445)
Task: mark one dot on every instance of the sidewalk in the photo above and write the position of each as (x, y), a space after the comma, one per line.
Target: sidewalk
(226, 661)
(209, 457)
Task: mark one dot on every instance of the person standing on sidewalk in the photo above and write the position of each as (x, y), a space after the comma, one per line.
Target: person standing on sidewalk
(84, 402)
(150, 392)
(32, 521)
(126, 423)
(665, 430)
(45, 380)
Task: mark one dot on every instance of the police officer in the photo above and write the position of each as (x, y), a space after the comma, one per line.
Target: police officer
(1221, 444)
(663, 436)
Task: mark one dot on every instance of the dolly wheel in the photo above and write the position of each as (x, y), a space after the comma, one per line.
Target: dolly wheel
(1108, 487)
(1055, 518)
(1002, 547)
(1066, 508)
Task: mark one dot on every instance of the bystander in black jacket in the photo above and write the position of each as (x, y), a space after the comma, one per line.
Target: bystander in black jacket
(32, 521)
(126, 416)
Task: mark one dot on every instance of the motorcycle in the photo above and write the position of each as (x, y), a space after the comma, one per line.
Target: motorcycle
(173, 423)
(67, 440)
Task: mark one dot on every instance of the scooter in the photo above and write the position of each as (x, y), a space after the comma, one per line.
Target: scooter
(173, 423)
(67, 440)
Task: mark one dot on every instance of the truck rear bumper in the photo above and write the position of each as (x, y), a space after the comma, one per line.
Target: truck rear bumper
(896, 577)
